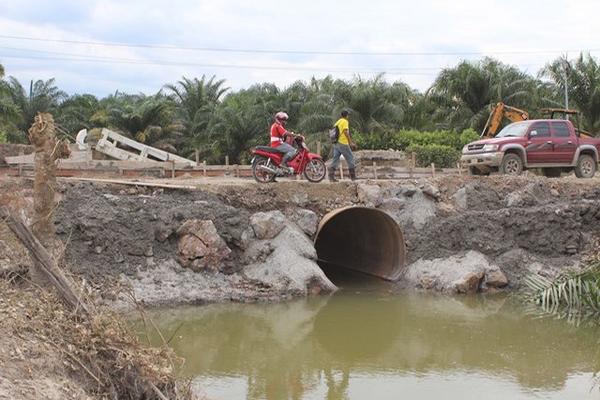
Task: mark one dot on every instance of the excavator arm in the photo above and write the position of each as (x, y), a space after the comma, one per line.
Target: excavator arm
(498, 112)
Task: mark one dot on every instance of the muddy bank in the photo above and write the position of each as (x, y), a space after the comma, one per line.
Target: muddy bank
(253, 242)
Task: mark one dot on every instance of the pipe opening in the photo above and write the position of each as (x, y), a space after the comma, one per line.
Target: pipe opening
(360, 240)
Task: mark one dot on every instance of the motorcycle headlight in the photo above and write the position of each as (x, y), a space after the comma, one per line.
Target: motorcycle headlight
(490, 147)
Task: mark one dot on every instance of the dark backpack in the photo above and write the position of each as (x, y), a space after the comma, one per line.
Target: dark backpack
(334, 134)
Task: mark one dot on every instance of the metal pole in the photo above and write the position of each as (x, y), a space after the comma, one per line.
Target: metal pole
(565, 63)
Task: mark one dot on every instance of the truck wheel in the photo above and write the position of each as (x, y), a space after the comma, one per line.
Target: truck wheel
(511, 164)
(551, 172)
(586, 167)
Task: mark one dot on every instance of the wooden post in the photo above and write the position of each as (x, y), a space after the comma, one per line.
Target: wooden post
(197, 151)
(319, 147)
(204, 168)
(413, 162)
(374, 170)
(459, 167)
(227, 160)
(236, 171)
(433, 170)
(172, 168)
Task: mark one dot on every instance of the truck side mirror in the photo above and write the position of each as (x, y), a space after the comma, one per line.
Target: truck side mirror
(533, 133)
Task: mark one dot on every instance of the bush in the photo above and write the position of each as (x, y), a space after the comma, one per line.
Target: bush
(442, 156)
(2, 137)
(404, 139)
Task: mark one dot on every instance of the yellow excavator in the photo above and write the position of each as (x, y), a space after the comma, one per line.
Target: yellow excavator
(499, 111)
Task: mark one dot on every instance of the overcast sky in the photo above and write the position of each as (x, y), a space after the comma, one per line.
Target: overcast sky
(280, 41)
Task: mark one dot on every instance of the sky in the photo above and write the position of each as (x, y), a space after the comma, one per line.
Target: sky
(133, 46)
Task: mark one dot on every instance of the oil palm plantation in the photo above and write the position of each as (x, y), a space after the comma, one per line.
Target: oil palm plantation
(150, 120)
(75, 113)
(196, 100)
(583, 83)
(42, 96)
(463, 94)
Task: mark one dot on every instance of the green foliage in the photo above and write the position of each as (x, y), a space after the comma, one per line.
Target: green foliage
(440, 155)
(572, 293)
(201, 113)
(2, 137)
(404, 139)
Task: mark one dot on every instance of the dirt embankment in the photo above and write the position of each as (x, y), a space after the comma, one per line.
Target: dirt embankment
(517, 225)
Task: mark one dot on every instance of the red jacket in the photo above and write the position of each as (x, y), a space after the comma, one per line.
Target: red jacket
(277, 132)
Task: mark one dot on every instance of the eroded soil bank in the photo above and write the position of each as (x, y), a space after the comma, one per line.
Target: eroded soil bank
(241, 241)
(248, 242)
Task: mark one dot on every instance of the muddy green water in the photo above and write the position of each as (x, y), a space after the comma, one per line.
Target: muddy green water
(366, 343)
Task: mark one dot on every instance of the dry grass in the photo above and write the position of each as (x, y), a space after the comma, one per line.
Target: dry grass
(100, 353)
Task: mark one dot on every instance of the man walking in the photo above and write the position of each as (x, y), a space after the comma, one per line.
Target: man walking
(343, 146)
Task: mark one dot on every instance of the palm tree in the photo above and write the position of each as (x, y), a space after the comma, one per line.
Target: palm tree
(569, 293)
(377, 105)
(196, 100)
(583, 83)
(43, 96)
(149, 120)
(463, 94)
(76, 113)
(8, 112)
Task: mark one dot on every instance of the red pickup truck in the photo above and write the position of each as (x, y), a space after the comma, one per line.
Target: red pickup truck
(551, 145)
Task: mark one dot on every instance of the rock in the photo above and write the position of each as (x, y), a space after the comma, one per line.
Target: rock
(299, 198)
(291, 268)
(149, 252)
(369, 195)
(307, 220)
(200, 247)
(391, 205)
(468, 283)
(162, 233)
(431, 191)
(246, 238)
(495, 278)
(258, 251)
(267, 225)
(416, 209)
(460, 198)
(456, 274)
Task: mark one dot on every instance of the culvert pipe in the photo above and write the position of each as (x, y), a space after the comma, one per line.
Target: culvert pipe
(362, 239)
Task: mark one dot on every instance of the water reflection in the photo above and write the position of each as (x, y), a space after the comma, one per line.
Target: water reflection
(323, 348)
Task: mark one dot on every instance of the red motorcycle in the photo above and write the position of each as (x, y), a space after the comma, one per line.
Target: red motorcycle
(266, 164)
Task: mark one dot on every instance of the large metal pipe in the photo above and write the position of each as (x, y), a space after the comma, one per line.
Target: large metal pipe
(362, 239)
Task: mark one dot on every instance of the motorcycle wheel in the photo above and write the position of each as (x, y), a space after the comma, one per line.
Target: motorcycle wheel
(315, 170)
(259, 174)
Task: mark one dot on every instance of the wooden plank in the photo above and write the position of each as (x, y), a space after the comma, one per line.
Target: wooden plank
(132, 183)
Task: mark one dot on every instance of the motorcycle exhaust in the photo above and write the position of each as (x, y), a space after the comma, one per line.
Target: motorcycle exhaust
(267, 169)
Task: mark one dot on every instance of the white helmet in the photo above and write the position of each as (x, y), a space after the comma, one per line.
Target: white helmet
(281, 116)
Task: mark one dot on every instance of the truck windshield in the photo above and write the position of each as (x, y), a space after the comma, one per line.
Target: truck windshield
(514, 130)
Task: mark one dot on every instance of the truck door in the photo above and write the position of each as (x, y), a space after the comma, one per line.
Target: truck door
(565, 142)
(540, 144)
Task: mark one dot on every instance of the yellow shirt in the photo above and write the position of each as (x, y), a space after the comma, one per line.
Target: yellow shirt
(343, 127)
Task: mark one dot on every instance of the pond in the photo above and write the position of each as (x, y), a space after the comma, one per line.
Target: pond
(367, 342)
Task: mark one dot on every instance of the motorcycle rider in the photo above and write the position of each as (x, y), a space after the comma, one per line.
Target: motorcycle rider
(278, 135)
